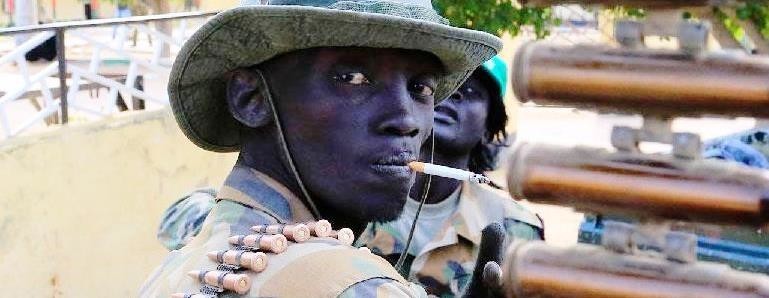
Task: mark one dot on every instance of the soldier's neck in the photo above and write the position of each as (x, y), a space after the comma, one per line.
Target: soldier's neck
(440, 188)
(267, 158)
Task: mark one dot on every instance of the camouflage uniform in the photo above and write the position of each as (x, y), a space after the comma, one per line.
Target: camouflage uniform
(445, 264)
(251, 198)
(183, 219)
(749, 147)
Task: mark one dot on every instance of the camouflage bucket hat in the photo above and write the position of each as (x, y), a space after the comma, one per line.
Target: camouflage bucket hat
(251, 34)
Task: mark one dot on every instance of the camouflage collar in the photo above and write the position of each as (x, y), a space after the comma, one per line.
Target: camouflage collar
(476, 214)
(473, 215)
(470, 218)
(258, 191)
(466, 222)
(475, 211)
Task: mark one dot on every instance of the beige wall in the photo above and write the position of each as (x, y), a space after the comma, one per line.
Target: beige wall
(73, 9)
(79, 206)
(218, 5)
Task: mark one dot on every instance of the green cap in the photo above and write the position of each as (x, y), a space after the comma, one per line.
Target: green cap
(497, 69)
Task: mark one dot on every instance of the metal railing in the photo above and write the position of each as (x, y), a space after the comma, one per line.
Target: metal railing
(64, 94)
(57, 102)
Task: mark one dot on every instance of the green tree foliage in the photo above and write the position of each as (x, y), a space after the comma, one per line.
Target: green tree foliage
(496, 17)
(734, 29)
(757, 11)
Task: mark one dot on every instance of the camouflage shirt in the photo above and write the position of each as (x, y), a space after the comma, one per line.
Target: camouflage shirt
(315, 268)
(445, 264)
(184, 218)
(748, 147)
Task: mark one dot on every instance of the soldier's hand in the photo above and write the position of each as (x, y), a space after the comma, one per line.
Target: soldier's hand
(487, 275)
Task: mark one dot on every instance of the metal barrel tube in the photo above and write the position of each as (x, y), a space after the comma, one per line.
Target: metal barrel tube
(642, 81)
(640, 186)
(534, 269)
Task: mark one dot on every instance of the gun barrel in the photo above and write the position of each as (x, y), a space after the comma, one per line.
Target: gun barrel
(533, 269)
(643, 81)
(641, 186)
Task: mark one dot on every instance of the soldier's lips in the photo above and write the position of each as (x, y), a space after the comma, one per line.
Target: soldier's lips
(394, 165)
(445, 115)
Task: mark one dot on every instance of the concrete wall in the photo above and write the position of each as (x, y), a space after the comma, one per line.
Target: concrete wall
(79, 206)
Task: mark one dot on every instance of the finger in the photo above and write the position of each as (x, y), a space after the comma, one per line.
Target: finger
(492, 274)
(490, 251)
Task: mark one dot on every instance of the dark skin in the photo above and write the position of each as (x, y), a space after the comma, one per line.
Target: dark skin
(460, 123)
(351, 122)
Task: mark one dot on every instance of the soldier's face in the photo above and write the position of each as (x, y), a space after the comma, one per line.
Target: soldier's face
(460, 120)
(353, 119)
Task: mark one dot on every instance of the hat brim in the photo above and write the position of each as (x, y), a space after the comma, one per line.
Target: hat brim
(250, 35)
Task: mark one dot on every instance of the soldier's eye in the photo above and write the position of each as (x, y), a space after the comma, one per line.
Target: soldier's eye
(354, 78)
(422, 89)
(468, 91)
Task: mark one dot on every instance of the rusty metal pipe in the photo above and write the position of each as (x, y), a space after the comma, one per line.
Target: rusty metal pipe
(533, 269)
(640, 186)
(643, 81)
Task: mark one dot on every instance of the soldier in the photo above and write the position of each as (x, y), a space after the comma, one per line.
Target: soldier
(326, 101)
(469, 132)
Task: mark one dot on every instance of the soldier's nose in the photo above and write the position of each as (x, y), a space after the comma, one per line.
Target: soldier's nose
(400, 126)
(401, 119)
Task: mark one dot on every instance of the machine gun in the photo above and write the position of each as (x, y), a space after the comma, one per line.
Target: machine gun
(647, 259)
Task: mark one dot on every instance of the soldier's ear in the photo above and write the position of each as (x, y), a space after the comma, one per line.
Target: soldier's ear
(247, 97)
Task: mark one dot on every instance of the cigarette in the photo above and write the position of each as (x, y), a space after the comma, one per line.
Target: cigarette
(447, 172)
(296, 232)
(273, 243)
(344, 235)
(240, 283)
(255, 261)
(321, 228)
